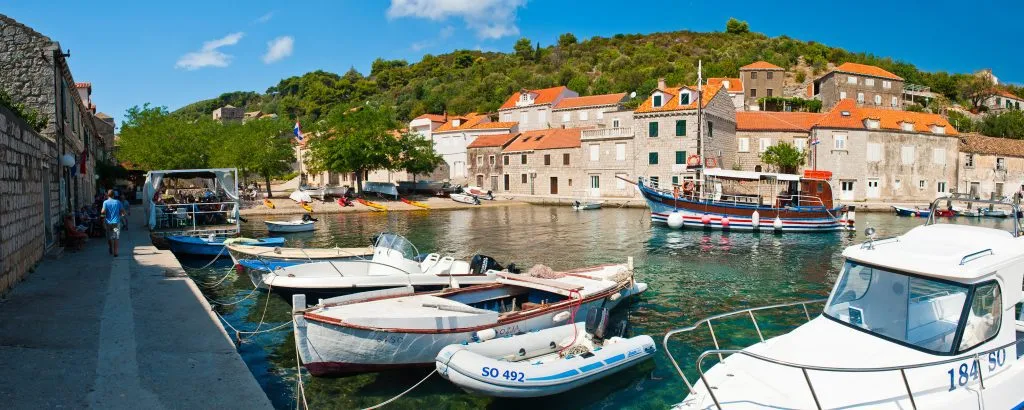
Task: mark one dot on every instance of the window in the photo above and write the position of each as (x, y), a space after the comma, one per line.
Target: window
(753, 75)
(680, 157)
(566, 117)
(870, 82)
(615, 123)
(490, 160)
(768, 92)
(506, 117)
(583, 115)
(675, 180)
(504, 160)
(839, 141)
(907, 126)
(921, 184)
(657, 100)
(547, 159)
(907, 154)
(565, 161)
(897, 184)
(595, 181)
(984, 317)
(872, 123)
(599, 115)
(654, 182)
(895, 102)
(846, 186)
(860, 98)
(542, 117)
(874, 153)
(941, 187)
(851, 80)
(1000, 164)
(878, 99)
(998, 101)
(800, 143)
(711, 129)
(479, 160)
(523, 117)
(620, 184)
(842, 95)
(620, 151)
(886, 84)
(652, 158)
(763, 144)
(524, 178)
(769, 76)
(939, 156)
(522, 159)
(506, 182)
(680, 128)
(595, 152)
(652, 129)
(684, 98)
(915, 311)
(969, 161)
(753, 93)
(744, 144)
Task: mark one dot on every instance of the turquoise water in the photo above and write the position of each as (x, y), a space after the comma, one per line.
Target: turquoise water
(691, 274)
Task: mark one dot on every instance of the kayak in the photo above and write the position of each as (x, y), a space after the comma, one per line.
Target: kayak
(268, 204)
(374, 205)
(417, 204)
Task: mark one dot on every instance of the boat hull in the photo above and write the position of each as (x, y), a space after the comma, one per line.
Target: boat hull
(276, 227)
(331, 286)
(188, 245)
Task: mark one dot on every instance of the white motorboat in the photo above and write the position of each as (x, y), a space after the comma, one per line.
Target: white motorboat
(586, 205)
(466, 199)
(298, 225)
(397, 328)
(925, 320)
(541, 363)
(478, 192)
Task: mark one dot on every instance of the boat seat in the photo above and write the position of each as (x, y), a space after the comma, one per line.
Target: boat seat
(441, 267)
(429, 262)
(459, 268)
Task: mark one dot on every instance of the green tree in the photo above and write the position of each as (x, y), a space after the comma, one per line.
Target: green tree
(961, 121)
(418, 156)
(784, 157)
(566, 40)
(152, 138)
(357, 140)
(976, 89)
(524, 48)
(262, 147)
(734, 26)
(1009, 124)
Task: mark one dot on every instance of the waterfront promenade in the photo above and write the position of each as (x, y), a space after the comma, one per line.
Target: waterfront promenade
(87, 330)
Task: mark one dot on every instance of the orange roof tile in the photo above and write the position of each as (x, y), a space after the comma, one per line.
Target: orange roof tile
(761, 65)
(776, 121)
(545, 139)
(432, 117)
(980, 144)
(1004, 93)
(673, 101)
(846, 114)
(590, 101)
(544, 96)
(735, 84)
(864, 69)
(494, 125)
(83, 85)
(485, 141)
(465, 121)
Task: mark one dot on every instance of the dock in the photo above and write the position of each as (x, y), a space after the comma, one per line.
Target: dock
(87, 330)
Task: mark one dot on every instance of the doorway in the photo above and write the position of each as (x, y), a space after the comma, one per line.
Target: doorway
(494, 183)
(846, 190)
(595, 186)
(480, 181)
(554, 185)
(873, 190)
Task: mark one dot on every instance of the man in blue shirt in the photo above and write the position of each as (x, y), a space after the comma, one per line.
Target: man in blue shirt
(112, 213)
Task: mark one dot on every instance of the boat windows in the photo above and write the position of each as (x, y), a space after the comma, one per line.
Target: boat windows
(398, 243)
(919, 312)
(984, 317)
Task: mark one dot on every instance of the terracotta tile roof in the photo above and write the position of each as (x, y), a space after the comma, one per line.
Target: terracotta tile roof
(465, 121)
(544, 96)
(494, 125)
(485, 141)
(761, 65)
(1006, 94)
(83, 85)
(980, 144)
(590, 101)
(673, 101)
(432, 117)
(776, 121)
(864, 69)
(735, 84)
(545, 139)
(846, 114)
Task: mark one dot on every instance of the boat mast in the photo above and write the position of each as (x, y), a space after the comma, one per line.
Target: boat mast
(700, 133)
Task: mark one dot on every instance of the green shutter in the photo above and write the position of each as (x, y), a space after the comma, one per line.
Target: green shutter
(684, 99)
(675, 180)
(657, 101)
(652, 129)
(652, 158)
(680, 128)
(680, 157)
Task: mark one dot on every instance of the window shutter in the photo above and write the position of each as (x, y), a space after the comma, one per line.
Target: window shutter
(680, 128)
(652, 129)
(652, 158)
(680, 157)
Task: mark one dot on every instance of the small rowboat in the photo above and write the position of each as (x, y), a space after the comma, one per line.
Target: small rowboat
(416, 204)
(374, 205)
(268, 204)
(904, 211)
(584, 206)
(466, 199)
(191, 245)
(995, 213)
(945, 213)
(290, 226)
(539, 363)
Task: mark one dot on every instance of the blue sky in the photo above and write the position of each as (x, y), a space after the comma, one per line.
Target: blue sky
(174, 53)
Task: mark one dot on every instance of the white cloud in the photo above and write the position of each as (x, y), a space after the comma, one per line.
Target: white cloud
(444, 34)
(265, 18)
(209, 55)
(490, 19)
(278, 49)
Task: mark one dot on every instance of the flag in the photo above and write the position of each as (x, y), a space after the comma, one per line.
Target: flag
(814, 140)
(298, 131)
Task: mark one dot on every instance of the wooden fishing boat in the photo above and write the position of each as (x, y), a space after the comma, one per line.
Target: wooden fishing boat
(396, 328)
(749, 201)
(415, 203)
(299, 225)
(191, 245)
(586, 205)
(905, 211)
(374, 205)
(465, 199)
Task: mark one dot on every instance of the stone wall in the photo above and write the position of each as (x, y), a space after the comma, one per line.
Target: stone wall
(750, 159)
(568, 177)
(27, 69)
(27, 168)
(985, 179)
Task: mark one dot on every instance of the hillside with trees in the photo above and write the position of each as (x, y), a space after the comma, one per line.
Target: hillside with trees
(466, 80)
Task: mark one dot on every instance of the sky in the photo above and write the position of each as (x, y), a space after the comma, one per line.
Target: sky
(172, 53)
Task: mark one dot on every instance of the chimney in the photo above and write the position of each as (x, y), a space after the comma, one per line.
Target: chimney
(661, 83)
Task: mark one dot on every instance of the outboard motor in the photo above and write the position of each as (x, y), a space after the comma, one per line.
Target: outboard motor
(597, 322)
(483, 263)
(308, 217)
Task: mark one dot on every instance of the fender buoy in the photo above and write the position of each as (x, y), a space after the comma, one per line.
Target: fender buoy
(755, 220)
(688, 186)
(710, 162)
(777, 224)
(706, 219)
(693, 160)
(674, 220)
(725, 222)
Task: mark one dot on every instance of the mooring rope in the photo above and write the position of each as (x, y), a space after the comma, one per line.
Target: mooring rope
(402, 393)
(222, 248)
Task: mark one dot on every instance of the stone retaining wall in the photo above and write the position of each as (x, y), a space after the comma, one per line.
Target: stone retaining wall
(27, 167)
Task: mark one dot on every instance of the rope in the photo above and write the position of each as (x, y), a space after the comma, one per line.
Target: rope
(300, 390)
(402, 393)
(213, 285)
(222, 248)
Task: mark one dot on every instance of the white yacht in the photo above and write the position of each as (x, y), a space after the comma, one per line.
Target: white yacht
(925, 320)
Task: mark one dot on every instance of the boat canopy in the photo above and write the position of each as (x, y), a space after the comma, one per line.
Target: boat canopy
(749, 175)
(224, 178)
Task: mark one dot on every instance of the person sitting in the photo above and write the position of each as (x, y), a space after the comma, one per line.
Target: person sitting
(75, 239)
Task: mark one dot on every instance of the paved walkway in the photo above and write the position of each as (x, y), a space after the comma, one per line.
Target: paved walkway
(88, 330)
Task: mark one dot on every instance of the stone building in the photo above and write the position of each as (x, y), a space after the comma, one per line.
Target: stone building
(1002, 100)
(425, 124)
(229, 113)
(990, 167)
(761, 79)
(453, 137)
(734, 86)
(35, 72)
(609, 160)
(666, 131)
(866, 84)
(589, 111)
(758, 130)
(532, 108)
(485, 161)
(543, 162)
(885, 154)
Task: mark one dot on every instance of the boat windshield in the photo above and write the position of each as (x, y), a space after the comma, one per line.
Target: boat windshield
(398, 243)
(911, 310)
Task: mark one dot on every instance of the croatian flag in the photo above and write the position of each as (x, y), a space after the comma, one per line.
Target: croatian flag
(814, 141)
(298, 131)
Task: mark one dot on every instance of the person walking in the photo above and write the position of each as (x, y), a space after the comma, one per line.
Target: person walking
(112, 213)
(125, 206)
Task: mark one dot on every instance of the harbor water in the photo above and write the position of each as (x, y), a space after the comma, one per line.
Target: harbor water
(691, 274)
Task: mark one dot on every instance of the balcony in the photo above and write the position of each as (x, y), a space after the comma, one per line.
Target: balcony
(600, 133)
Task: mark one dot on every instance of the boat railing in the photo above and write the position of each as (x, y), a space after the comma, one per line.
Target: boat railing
(749, 312)
(172, 213)
(967, 198)
(804, 368)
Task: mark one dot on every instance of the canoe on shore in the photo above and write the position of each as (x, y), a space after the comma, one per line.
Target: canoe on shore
(374, 205)
(416, 204)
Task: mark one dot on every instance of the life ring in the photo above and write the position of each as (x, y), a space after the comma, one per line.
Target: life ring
(675, 191)
(693, 160)
(688, 186)
(710, 162)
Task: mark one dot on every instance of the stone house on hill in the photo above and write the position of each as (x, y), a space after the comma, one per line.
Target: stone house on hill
(866, 84)
(452, 138)
(761, 79)
(485, 161)
(757, 131)
(734, 86)
(543, 162)
(589, 111)
(532, 108)
(1003, 100)
(990, 167)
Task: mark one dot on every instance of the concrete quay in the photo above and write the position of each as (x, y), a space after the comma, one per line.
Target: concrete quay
(87, 330)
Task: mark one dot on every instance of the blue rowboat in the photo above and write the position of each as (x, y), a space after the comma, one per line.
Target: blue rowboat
(191, 245)
(904, 211)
